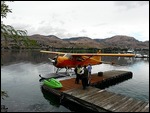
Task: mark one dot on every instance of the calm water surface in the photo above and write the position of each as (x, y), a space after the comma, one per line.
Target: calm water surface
(20, 78)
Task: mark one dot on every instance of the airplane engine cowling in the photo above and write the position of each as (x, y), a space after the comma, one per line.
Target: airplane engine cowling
(55, 59)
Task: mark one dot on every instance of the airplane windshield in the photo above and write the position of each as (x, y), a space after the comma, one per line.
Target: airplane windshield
(68, 56)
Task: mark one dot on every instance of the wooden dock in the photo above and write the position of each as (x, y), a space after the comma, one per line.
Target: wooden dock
(97, 99)
(102, 100)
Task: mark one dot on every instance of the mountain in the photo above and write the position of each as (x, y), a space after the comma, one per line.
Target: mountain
(84, 42)
(121, 41)
(50, 40)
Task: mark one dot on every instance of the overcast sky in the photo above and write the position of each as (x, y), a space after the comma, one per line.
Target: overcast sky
(94, 19)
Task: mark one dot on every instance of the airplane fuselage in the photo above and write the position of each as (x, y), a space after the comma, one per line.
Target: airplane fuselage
(63, 61)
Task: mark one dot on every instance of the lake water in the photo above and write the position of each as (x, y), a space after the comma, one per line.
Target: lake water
(20, 79)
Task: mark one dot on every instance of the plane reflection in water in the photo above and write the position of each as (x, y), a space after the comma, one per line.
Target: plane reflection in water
(71, 60)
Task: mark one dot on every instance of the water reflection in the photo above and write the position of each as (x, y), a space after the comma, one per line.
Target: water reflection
(14, 56)
(124, 61)
(52, 99)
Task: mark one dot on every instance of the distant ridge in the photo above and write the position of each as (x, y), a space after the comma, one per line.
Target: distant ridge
(121, 41)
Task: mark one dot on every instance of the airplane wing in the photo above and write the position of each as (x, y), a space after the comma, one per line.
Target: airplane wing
(102, 54)
(52, 52)
(90, 54)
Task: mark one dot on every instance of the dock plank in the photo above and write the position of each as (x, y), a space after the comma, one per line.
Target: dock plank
(91, 96)
(137, 108)
(89, 93)
(146, 108)
(126, 106)
(100, 96)
(108, 102)
(141, 107)
(113, 102)
(122, 105)
(131, 105)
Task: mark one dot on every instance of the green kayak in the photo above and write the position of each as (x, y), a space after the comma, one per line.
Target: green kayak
(52, 83)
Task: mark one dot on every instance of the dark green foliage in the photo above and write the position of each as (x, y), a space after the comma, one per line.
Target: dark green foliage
(4, 9)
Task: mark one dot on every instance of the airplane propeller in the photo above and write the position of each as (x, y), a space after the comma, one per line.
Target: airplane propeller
(51, 60)
(54, 60)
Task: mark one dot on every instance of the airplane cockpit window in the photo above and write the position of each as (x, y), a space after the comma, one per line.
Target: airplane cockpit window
(68, 56)
(79, 59)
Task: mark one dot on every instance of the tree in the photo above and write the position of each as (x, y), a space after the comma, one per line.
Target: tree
(8, 32)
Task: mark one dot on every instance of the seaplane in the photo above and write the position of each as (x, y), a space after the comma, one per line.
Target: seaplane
(71, 60)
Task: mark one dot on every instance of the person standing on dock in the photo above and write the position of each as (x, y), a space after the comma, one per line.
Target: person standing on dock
(77, 72)
(85, 78)
(90, 71)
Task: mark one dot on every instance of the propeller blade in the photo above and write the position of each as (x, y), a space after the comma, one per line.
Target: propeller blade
(52, 61)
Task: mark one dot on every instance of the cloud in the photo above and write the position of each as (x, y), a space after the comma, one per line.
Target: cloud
(131, 4)
(94, 19)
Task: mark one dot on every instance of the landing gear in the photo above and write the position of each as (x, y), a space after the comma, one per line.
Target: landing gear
(58, 69)
(68, 73)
